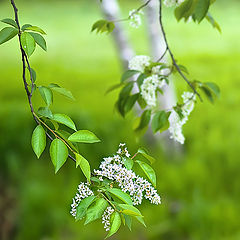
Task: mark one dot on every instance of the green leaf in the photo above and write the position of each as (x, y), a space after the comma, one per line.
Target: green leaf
(10, 22)
(182, 11)
(201, 9)
(84, 136)
(7, 33)
(129, 103)
(213, 87)
(128, 74)
(145, 154)
(34, 75)
(96, 211)
(126, 90)
(207, 93)
(148, 170)
(121, 195)
(160, 119)
(58, 153)
(62, 91)
(128, 163)
(115, 86)
(145, 119)
(212, 21)
(38, 140)
(64, 134)
(34, 29)
(46, 94)
(83, 206)
(39, 40)
(115, 224)
(84, 165)
(45, 112)
(140, 79)
(130, 210)
(128, 221)
(103, 26)
(28, 43)
(25, 26)
(64, 119)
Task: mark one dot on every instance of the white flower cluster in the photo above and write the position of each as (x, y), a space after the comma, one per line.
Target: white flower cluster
(137, 187)
(83, 192)
(171, 3)
(150, 84)
(148, 89)
(139, 63)
(176, 122)
(106, 217)
(135, 18)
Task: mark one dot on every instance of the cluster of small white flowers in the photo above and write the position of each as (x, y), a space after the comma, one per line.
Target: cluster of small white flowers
(176, 122)
(135, 18)
(171, 3)
(137, 187)
(149, 87)
(83, 192)
(106, 217)
(139, 63)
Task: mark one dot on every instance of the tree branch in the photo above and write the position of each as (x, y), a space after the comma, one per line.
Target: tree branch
(25, 62)
(171, 54)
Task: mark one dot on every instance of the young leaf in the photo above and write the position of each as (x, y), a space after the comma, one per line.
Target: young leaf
(58, 153)
(128, 74)
(130, 210)
(96, 211)
(145, 119)
(7, 33)
(213, 87)
(39, 40)
(115, 86)
(46, 94)
(145, 154)
(213, 22)
(34, 75)
(25, 26)
(121, 195)
(10, 22)
(28, 43)
(128, 163)
(84, 165)
(45, 112)
(182, 11)
(62, 91)
(38, 140)
(160, 119)
(34, 29)
(148, 170)
(83, 206)
(128, 221)
(115, 224)
(64, 119)
(84, 136)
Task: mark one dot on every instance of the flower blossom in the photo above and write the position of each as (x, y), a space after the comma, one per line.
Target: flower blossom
(171, 3)
(135, 18)
(176, 122)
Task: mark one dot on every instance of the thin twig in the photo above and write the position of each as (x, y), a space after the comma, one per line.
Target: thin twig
(171, 54)
(28, 92)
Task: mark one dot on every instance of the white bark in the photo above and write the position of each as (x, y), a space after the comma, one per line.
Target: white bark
(110, 9)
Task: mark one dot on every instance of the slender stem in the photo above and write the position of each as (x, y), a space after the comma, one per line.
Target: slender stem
(171, 54)
(25, 62)
(134, 155)
(109, 201)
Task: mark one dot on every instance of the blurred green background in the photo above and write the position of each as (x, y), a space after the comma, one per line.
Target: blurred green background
(199, 186)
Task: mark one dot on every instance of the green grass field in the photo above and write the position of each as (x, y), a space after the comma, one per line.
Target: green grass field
(199, 186)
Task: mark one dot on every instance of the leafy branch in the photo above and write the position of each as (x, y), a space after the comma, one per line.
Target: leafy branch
(61, 141)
